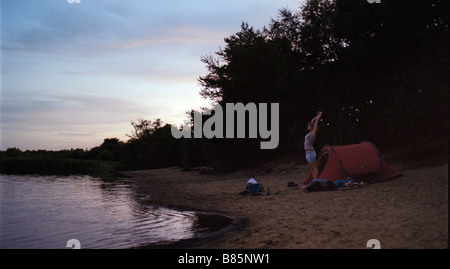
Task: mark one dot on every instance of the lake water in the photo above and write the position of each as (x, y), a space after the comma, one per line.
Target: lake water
(47, 211)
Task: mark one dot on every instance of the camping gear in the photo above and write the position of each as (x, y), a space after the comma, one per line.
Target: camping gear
(361, 161)
(348, 184)
(318, 184)
(253, 186)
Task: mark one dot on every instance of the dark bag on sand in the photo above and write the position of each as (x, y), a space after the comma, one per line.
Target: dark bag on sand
(254, 188)
(319, 184)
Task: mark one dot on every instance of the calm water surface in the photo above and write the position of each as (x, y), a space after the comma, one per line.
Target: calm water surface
(47, 211)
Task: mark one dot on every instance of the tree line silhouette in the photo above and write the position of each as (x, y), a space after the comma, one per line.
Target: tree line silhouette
(378, 72)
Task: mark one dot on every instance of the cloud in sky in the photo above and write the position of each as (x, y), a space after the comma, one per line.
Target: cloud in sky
(74, 74)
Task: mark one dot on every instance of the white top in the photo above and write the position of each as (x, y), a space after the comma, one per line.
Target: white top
(309, 141)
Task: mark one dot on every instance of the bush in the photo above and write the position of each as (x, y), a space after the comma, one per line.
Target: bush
(105, 155)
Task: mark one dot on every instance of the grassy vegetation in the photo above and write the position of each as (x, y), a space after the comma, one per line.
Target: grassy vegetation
(55, 166)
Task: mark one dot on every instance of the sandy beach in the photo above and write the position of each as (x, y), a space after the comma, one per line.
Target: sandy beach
(408, 212)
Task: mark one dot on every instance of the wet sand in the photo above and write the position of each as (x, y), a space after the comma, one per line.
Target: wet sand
(407, 212)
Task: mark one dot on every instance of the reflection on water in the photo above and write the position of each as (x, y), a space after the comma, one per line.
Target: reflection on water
(47, 211)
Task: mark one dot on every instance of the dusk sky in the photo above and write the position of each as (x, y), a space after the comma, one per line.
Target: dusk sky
(74, 74)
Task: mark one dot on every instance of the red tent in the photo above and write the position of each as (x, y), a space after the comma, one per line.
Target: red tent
(359, 161)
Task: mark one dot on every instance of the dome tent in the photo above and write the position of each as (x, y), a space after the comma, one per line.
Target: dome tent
(360, 161)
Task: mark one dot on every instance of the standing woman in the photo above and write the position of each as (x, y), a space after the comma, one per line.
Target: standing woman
(311, 156)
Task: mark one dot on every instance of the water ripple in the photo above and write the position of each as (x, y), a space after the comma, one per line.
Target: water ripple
(47, 211)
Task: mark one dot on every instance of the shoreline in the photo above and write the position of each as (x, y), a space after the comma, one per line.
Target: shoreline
(406, 212)
(198, 241)
(233, 222)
